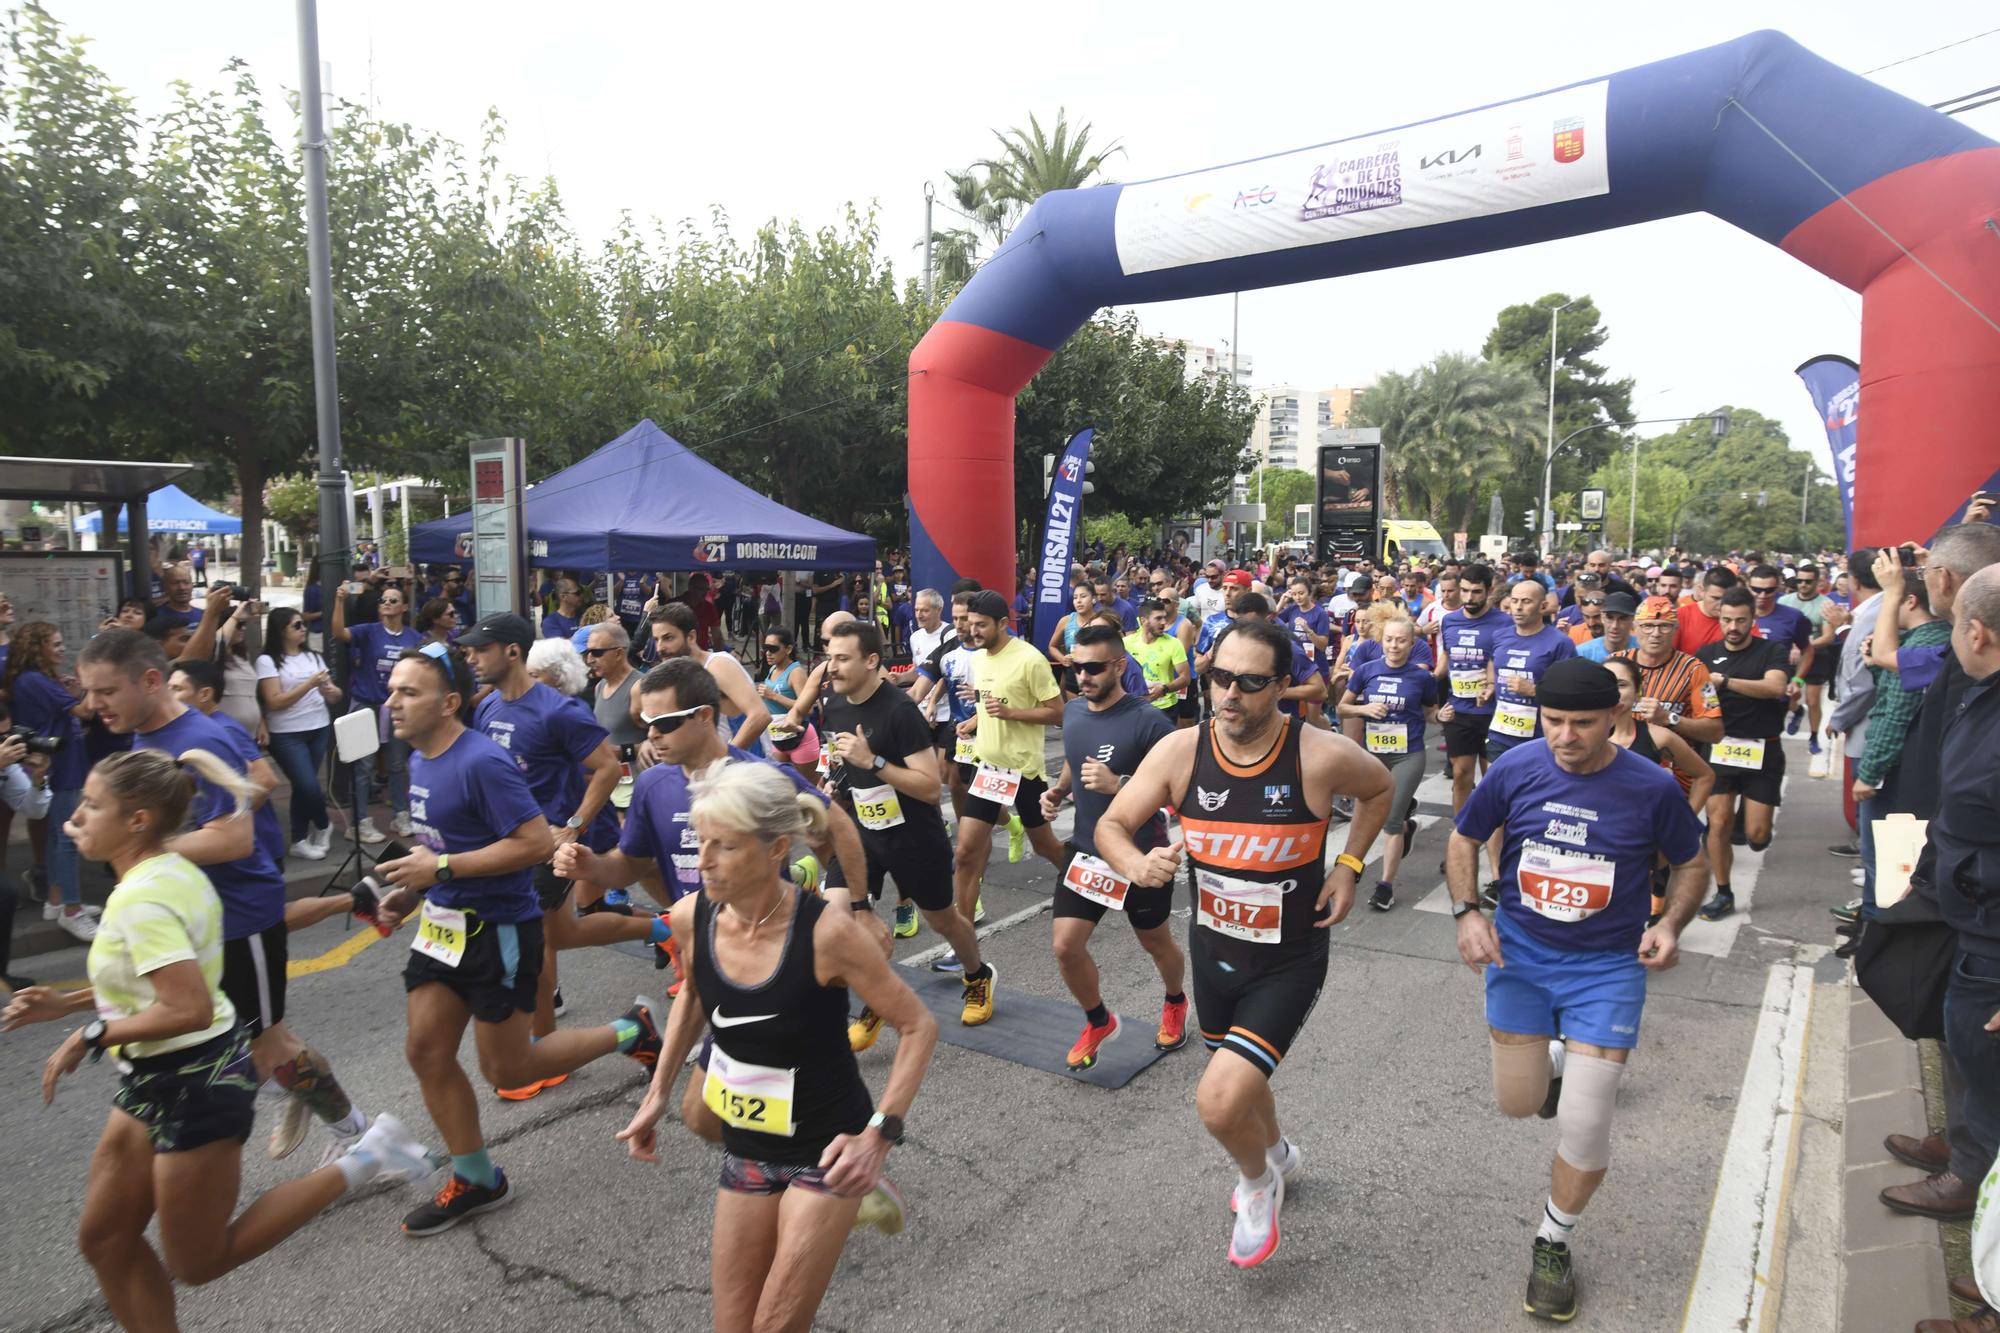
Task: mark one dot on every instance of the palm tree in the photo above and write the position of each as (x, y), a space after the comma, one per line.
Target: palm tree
(991, 195)
(1447, 430)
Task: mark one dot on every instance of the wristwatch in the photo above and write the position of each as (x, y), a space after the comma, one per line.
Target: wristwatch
(1460, 909)
(444, 868)
(93, 1037)
(573, 823)
(889, 1127)
(881, 762)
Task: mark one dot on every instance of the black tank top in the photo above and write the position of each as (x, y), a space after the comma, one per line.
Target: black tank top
(792, 1034)
(1256, 848)
(1642, 743)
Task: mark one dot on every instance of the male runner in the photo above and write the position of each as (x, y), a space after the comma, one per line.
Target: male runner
(1161, 657)
(1234, 584)
(1255, 790)
(375, 645)
(1678, 694)
(1810, 600)
(1568, 952)
(882, 766)
(674, 628)
(1523, 649)
(1105, 734)
(1750, 675)
(943, 689)
(125, 679)
(1699, 623)
(1616, 623)
(1790, 627)
(1466, 666)
(478, 946)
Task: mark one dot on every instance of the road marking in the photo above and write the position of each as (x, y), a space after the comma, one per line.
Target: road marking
(340, 955)
(1734, 1282)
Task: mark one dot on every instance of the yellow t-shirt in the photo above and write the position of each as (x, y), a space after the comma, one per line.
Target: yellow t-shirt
(164, 911)
(1019, 677)
(1160, 661)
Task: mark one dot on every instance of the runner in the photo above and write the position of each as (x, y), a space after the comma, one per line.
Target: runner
(945, 680)
(884, 769)
(1392, 696)
(478, 948)
(674, 629)
(1678, 693)
(1567, 956)
(1751, 676)
(783, 679)
(125, 675)
(1305, 689)
(1254, 790)
(1654, 743)
(1699, 623)
(1523, 651)
(1795, 630)
(1083, 600)
(1105, 735)
(187, 1090)
(1616, 622)
(1810, 599)
(1467, 668)
(1162, 658)
(778, 1086)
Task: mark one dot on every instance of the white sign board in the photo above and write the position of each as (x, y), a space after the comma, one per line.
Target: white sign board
(1302, 521)
(76, 591)
(1590, 507)
(1547, 149)
(1493, 545)
(499, 529)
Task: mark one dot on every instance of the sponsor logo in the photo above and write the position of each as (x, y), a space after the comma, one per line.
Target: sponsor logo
(1104, 753)
(1576, 835)
(1571, 811)
(1211, 800)
(1355, 184)
(690, 839)
(461, 546)
(711, 550)
(1516, 151)
(720, 1020)
(1451, 157)
(1261, 196)
(1277, 796)
(1072, 468)
(1569, 139)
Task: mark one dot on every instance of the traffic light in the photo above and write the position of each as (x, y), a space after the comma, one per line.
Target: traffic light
(1089, 486)
(1531, 518)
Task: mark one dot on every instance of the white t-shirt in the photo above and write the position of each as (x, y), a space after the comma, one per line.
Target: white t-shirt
(924, 642)
(308, 713)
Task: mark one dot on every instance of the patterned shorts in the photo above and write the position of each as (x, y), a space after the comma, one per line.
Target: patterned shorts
(187, 1099)
(743, 1176)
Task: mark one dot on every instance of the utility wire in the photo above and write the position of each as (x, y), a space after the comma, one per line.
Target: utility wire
(1933, 51)
(1953, 101)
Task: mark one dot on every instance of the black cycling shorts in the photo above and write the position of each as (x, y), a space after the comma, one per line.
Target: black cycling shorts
(1027, 804)
(253, 977)
(550, 888)
(1765, 785)
(1250, 1004)
(920, 863)
(1145, 908)
(497, 976)
(1190, 705)
(193, 1097)
(1465, 734)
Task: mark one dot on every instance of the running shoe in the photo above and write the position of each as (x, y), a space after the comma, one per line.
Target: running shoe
(1255, 1237)
(948, 962)
(1557, 1054)
(36, 878)
(667, 952)
(1551, 1283)
(1847, 911)
(979, 910)
(1489, 895)
(646, 1050)
(366, 832)
(1858, 875)
(1817, 767)
(526, 1092)
(881, 1209)
(1017, 839)
(1718, 907)
(979, 999)
(1384, 898)
(338, 1145)
(54, 911)
(1850, 850)
(807, 873)
(290, 1131)
(1797, 716)
(400, 825)
(389, 1142)
(1173, 1025)
(1284, 1155)
(557, 1005)
(861, 1032)
(455, 1201)
(1094, 1039)
(1812, 744)
(82, 925)
(307, 849)
(906, 921)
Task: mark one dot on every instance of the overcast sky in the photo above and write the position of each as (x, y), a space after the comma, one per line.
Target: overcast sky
(791, 109)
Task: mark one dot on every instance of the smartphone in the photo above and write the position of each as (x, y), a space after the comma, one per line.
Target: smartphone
(1908, 555)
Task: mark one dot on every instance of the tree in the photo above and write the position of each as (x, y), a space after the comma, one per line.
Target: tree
(994, 192)
(1283, 488)
(1450, 430)
(1584, 392)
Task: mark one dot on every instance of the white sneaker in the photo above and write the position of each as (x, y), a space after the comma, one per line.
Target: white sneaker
(77, 924)
(402, 1157)
(294, 1118)
(338, 1145)
(367, 832)
(1284, 1154)
(50, 911)
(1817, 768)
(322, 839)
(1255, 1237)
(308, 848)
(400, 825)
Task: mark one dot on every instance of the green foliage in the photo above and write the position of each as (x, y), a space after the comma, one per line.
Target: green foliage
(1451, 431)
(1113, 529)
(1584, 393)
(993, 193)
(292, 502)
(1284, 487)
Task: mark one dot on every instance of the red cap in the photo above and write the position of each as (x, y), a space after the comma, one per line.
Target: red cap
(1237, 578)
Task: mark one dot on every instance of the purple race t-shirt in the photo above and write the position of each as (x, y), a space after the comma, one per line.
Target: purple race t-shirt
(471, 795)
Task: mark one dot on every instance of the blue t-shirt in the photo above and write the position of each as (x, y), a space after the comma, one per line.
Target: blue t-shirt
(270, 833)
(549, 735)
(556, 625)
(657, 827)
(190, 617)
(313, 601)
(1370, 650)
(1406, 689)
(1303, 670)
(471, 796)
(252, 889)
(1572, 824)
(1211, 627)
(952, 669)
(1128, 612)
(1514, 654)
(42, 705)
(1785, 625)
(1302, 621)
(1468, 646)
(631, 597)
(1595, 649)
(1117, 737)
(375, 651)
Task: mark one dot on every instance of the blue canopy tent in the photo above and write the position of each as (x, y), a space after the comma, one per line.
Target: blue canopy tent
(645, 501)
(171, 509)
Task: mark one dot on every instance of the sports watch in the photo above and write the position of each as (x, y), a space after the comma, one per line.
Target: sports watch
(1460, 909)
(889, 1127)
(443, 868)
(881, 762)
(93, 1037)
(573, 823)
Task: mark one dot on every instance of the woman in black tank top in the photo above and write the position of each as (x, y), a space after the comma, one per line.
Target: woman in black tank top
(769, 968)
(1655, 743)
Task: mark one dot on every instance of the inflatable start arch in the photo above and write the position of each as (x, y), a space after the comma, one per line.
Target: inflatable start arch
(1881, 194)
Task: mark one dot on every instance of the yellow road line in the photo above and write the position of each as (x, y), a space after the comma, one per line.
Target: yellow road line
(340, 955)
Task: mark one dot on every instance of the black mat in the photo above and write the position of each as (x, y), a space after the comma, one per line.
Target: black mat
(1035, 1031)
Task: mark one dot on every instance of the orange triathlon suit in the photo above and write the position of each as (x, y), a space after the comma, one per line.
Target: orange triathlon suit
(1681, 683)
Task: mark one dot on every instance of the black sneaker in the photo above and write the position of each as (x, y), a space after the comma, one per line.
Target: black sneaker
(456, 1201)
(556, 1004)
(1718, 907)
(1551, 1283)
(364, 901)
(1489, 895)
(1852, 851)
(646, 1050)
(1384, 899)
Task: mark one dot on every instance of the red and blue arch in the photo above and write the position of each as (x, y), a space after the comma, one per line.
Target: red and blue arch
(1712, 131)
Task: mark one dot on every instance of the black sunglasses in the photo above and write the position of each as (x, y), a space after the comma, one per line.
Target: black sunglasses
(1246, 682)
(774, 647)
(598, 652)
(1593, 601)
(666, 724)
(1090, 668)
(1771, 591)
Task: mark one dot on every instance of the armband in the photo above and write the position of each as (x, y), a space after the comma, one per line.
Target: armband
(1351, 861)
(1798, 680)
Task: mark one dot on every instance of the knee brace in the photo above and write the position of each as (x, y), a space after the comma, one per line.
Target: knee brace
(1757, 846)
(1520, 1076)
(1590, 1090)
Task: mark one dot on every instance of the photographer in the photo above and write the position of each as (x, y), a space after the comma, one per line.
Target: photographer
(24, 790)
(45, 705)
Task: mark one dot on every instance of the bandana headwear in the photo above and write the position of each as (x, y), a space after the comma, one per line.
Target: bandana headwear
(1577, 684)
(988, 603)
(1656, 608)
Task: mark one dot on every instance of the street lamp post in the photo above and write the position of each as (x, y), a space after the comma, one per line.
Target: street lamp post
(1718, 425)
(1548, 459)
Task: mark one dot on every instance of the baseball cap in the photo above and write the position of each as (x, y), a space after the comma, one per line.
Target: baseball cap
(1620, 604)
(1654, 571)
(1237, 578)
(1359, 583)
(988, 603)
(500, 627)
(1654, 608)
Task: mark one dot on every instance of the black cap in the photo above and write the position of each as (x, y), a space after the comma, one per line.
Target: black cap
(500, 627)
(1577, 683)
(1358, 582)
(1620, 604)
(988, 603)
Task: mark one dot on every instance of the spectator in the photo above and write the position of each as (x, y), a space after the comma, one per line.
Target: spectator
(1889, 717)
(45, 705)
(1854, 683)
(296, 688)
(24, 790)
(177, 596)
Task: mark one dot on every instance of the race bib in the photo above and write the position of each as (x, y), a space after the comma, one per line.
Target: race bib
(1516, 720)
(877, 807)
(441, 934)
(1240, 908)
(1388, 737)
(1739, 753)
(1466, 682)
(1561, 884)
(998, 785)
(963, 753)
(748, 1096)
(1088, 877)
(825, 759)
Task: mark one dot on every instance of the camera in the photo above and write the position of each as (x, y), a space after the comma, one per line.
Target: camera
(36, 744)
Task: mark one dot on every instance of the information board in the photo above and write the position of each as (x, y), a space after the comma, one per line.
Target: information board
(1349, 493)
(499, 528)
(76, 591)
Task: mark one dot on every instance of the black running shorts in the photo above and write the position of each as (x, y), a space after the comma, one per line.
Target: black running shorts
(1765, 785)
(1465, 734)
(919, 863)
(1145, 908)
(497, 976)
(189, 1098)
(253, 977)
(1251, 1004)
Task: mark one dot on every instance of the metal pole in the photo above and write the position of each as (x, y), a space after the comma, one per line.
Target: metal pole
(929, 235)
(1632, 510)
(1805, 497)
(333, 516)
(1549, 458)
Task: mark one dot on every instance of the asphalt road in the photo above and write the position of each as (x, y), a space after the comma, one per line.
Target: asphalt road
(1035, 1202)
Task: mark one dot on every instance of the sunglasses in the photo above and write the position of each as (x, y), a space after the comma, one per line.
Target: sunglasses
(666, 724)
(1771, 591)
(437, 652)
(1593, 601)
(1090, 668)
(598, 652)
(774, 647)
(1246, 682)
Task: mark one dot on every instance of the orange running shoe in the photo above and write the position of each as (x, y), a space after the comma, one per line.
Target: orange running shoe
(1173, 1025)
(1084, 1054)
(520, 1094)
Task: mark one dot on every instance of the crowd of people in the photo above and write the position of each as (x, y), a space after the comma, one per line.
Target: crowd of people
(1612, 732)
